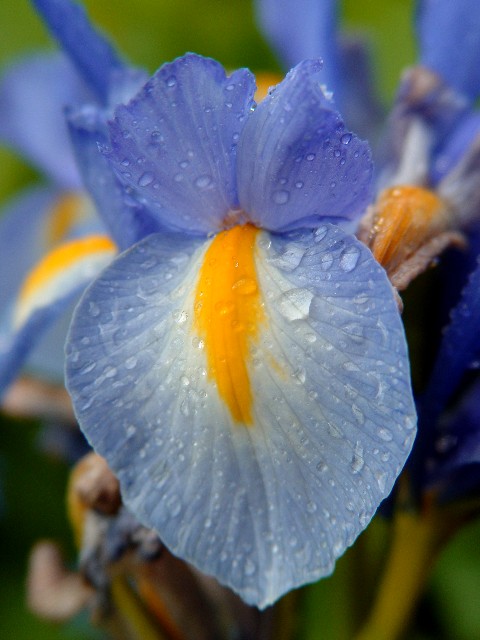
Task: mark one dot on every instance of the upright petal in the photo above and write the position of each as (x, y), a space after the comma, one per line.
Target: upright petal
(33, 96)
(297, 164)
(126, 219)
(303, 29)
(265, 481)
(94, 57)
(449, 35)
(174, 144)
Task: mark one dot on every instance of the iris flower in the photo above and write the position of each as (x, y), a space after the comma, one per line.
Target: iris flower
(242, 366)
(63, 242)
(48, 216)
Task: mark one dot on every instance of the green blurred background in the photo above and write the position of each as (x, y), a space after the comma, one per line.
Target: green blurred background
(149, 32)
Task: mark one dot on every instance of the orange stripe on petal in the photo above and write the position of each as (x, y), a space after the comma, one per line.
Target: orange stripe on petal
(61, 259)
(68, 210)
(228, 311)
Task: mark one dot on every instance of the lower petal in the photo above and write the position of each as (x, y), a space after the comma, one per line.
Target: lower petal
(265, 499)
(47, 293)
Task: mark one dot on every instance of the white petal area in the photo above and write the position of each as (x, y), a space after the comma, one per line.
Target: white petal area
(265, 507)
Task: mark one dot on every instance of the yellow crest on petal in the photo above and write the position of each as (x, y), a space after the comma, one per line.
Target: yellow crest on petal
(228, 312)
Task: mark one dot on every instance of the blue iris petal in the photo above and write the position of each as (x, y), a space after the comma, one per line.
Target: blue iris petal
(126, 219)
(33, 95)
(174, 145)
(298, 164)
(449, 35)
(22, 241)
(93, 56)
(460, 348)
(269, 506)
(302, 30)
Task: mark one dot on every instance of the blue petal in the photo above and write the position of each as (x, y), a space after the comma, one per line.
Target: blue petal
(174, 145)
(23, 226)
(33, 95)
(305, 29)
(95, 59)
(459, 349)
(456, 146)
(449, 34)
(34, 309)
(269, 506)
(297, 165)
(301, 30)
(457, 439)
(39, 344)
(126, 219)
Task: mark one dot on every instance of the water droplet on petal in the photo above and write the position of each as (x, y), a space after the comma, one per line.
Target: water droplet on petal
(320, 234)
(245, 286)
(310, 157)
(202, 182)
(93, 309)
(146, 179)
(281, 196)
(295, 304)
(171, 81)
(131, 363)
(345, 139)
(311, 506)
(385, 434)
(349, 259)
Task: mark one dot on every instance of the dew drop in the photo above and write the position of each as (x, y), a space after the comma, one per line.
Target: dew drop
(349, 259)
(202, 182)
(299, 184)
(245, 286)
(87, 368)
(93, 309)
(171, 81)
(320, 234)
(146, 179)
(357, 462)
(385, 435)
(250, 568)
(131, 363)
(281, 196)
(326, 261)
(345, 139)
(310, 157)
(180, 317)
(295, 304)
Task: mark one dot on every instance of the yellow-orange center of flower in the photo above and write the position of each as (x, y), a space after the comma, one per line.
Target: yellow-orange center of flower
(228, 312)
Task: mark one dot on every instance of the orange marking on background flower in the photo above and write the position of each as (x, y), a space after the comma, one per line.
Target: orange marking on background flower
(228, 311)
(68, 210)
(405, 218)
(61, 259)
(265, 81)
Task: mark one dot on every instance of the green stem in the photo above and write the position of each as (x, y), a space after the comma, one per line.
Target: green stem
(136, 619)
(417, 539)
